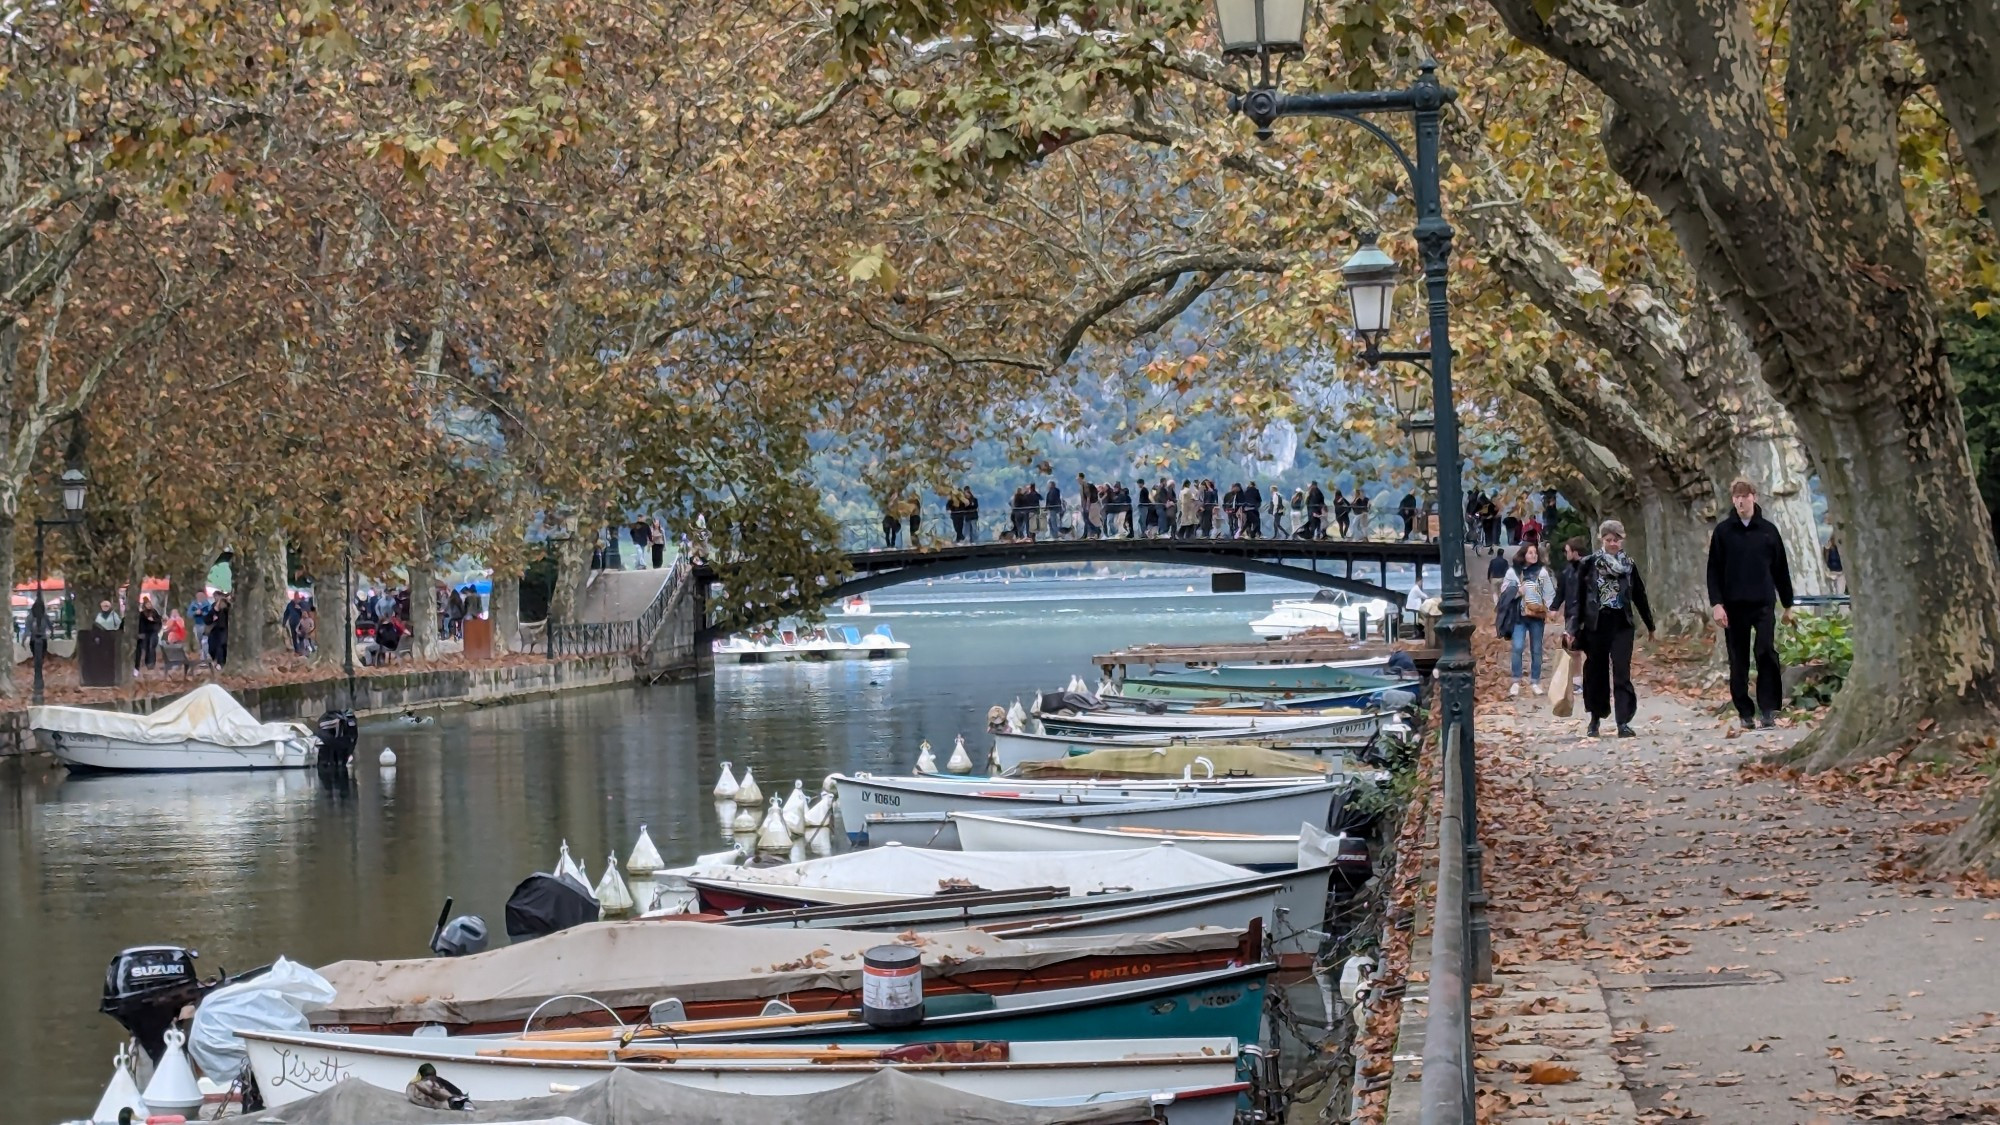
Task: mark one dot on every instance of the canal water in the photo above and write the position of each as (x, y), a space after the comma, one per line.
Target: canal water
(248, 867)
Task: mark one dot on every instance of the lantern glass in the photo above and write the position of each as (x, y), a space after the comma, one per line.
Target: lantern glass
(1423, 439)
(74, 486)
(1371, 287)
(1408, 395)
(1257, 27)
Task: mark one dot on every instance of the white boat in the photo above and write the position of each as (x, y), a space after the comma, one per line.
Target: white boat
(206, 729)
(1011, 751)
(1244, 727)
(292, 1066)
(1334, 611)
(888, 1097)
(856, 606)
(863, 795)
(892, 873)
(830, 642)
(987, 833)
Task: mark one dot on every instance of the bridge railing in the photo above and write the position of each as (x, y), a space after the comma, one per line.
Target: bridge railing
(936, 527)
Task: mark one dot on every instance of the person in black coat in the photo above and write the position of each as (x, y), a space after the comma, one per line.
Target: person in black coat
(1609, 590)
(1747, 572)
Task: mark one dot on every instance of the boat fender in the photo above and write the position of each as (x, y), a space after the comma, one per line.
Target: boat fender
(892, 986)
(645, 858)
(173, 1088)
(926, 764)
(387, 758)
(725, 786)
(122, 1092)
(961, 762)
(748, 793)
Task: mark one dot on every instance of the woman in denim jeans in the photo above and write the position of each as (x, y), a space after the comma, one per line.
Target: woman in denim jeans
(1534, 588)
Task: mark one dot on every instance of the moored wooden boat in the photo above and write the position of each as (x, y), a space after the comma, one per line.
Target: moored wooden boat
(1244, 849)
(1011, 751)
(863, 795)
(290, 1066)
(1245, 727)
(1263, 679)
(718, 972)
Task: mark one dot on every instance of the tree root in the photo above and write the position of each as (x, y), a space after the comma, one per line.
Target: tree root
(1975, 844)
(1862, 725)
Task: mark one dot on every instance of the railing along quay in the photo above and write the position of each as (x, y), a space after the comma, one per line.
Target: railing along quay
(1450, 1083)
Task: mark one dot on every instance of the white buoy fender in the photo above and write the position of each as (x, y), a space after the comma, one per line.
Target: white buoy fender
(819, 814)
(961, 762)
(613, 897)
(122, 1092)
(388, 757)
(173, 1088)
(795, 809)
(645, 857)
(725, 786)
(570, 868)
(926, 764)
(744, 824)
(748, 793)
(772, 836)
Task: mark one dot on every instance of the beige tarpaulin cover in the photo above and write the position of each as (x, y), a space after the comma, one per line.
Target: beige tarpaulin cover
(624, 1098)
(206, 714)
(1175, 760)
(633, 964)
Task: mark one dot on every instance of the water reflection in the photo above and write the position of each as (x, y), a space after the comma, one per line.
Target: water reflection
(244, 867)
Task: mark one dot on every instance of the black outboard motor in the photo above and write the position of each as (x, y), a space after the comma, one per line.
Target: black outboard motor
(145, 989)
(460, 937)
(543, 904)
(338, 734)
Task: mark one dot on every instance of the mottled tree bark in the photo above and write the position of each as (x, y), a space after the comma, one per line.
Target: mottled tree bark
(423, 591)
(505, 609)
(1960, 44)
(9, 524)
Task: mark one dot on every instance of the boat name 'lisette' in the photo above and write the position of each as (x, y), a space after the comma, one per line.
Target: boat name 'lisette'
(295, 1069)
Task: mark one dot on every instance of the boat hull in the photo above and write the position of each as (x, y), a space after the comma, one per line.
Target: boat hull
(1292, 905)
(1227, 1004)
(863, 797)
(89, 753)
(1011, 751)
(1001, 834)
(293, 1067)
(1243, 727)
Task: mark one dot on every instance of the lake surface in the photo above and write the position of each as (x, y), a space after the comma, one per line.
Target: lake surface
(248, 867)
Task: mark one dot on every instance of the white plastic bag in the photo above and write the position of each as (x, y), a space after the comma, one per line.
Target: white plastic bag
(275, 1001)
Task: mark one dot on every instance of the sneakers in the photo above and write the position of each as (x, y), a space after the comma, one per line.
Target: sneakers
(1592, 732)
(1625, 731)
(1766, 721)
(1514, 689)
(1536, 688)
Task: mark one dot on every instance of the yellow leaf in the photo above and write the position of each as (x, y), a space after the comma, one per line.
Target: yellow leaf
(1546, 1073)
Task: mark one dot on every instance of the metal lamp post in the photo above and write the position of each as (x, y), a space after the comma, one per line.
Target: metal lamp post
(75, 485)
(1267, 31)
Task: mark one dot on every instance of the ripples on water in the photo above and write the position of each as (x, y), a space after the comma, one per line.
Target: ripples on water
(246, 867)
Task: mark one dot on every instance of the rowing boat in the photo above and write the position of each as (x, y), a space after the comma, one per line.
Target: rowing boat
(1013, 751)
(861, 795)
(1244, 849)
(290, 1066)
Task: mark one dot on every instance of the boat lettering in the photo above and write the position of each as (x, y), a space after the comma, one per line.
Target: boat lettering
(295, 1069)
(1119, 972)
(142, 971)
(886, 798)
(1218, 1000)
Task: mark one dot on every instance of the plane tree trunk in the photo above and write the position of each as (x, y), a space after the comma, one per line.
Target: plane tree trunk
(1801, 229)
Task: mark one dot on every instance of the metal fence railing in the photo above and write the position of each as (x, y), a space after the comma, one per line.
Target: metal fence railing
(1450, 1081)
(597, 637)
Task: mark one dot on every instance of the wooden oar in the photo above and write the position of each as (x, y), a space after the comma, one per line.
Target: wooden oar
(692, 1027)
(962, 1051)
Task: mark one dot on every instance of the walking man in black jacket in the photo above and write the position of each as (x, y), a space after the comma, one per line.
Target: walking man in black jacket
(1747, 571)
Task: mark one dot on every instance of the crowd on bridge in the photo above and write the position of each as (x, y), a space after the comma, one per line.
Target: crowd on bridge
(1201, 509)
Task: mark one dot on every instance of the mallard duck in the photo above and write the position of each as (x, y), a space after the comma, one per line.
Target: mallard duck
(411, 718)
(432, 1092)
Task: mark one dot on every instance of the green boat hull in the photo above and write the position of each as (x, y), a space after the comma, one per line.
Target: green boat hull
(1333, 683)
(1229, 1004)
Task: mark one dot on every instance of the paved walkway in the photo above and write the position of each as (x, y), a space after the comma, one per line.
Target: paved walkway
(1742, 935)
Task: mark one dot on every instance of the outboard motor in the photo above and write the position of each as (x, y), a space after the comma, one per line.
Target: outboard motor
(461, 937)
(338, 734)
(145, 989)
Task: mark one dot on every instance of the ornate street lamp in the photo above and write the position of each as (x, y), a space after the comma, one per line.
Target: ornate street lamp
(1369, 276)
(1406, 394)
(1423, 441)
(75, 486)
(1268, 29)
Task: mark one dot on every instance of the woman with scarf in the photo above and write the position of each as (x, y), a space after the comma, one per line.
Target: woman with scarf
(1525, 596)
(1609, 591)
